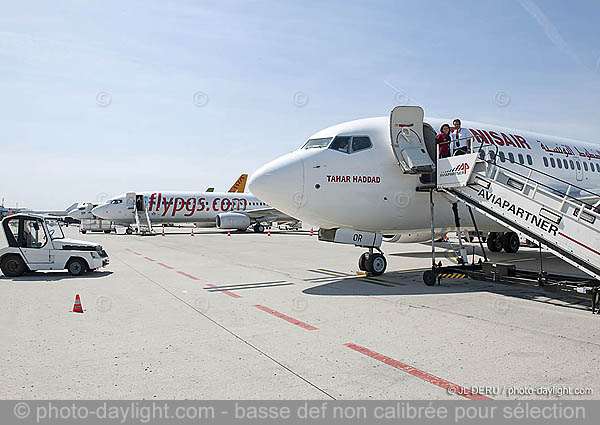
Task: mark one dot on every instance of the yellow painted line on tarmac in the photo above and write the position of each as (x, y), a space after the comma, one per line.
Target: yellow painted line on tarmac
(360, 276)
(332, 272)
(380, 282)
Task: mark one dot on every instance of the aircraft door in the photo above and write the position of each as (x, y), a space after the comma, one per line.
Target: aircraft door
(139, 203)
(130, 200)
(408, 142)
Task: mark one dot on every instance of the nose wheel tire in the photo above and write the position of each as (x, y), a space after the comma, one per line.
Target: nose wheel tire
(77, 267)
(13, 266)
(375, 264)
(362, 262)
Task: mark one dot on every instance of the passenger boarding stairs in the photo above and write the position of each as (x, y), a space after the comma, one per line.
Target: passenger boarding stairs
(529, 201)
(143, 222)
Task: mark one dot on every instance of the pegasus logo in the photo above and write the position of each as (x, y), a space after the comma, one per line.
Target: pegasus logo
(240, 185)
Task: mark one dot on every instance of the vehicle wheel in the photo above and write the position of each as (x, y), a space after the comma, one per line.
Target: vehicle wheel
(362, 262)
(77, 267)
(13, 266)
(494, 242)
(429, 277)
(376, 264)
(83, 232)
(129, 231)
(107, 231)
(511, 242)
(259, 228)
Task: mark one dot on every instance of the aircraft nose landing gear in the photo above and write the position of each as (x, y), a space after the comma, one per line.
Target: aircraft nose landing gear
(372, 263)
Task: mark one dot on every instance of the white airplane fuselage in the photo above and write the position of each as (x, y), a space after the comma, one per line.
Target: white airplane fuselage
(368, 191)
(200, 208)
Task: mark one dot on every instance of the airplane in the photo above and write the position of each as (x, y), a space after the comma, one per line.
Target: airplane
(348, 176)
(56, 213)
(230, 210)
(84, 211)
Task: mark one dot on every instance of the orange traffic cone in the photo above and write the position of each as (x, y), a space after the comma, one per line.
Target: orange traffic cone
(163, 229)
(192, 234)
(77, 306)
(269, 232)
(229, 233)
(311, 232)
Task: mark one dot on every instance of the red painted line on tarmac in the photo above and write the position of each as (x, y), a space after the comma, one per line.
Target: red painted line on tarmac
(432, 379)
(165, 266)
(286, 318)
(231, 294)
(148, 258)
(188, 275)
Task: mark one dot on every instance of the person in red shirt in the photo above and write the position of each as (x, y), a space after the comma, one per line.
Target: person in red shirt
(443, 141)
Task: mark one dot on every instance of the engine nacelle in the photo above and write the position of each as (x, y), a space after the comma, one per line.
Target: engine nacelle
(412, 237)
(233, 221)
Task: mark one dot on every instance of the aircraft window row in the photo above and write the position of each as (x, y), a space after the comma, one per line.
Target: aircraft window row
(570, 164)
(343, 144)
(511, 158)
(317, 143)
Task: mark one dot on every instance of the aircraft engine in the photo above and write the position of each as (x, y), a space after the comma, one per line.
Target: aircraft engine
(233, 221)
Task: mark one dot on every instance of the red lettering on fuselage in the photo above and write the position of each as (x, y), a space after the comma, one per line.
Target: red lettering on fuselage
(502, 139)
(167, 206)
(164, 205)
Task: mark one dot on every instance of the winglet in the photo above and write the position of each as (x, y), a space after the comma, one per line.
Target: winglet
(240, 185)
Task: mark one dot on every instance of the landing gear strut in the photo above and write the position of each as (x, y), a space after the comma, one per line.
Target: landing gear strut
(374, 263)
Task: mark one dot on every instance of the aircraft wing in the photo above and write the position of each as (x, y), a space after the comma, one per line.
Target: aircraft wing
(268, 214)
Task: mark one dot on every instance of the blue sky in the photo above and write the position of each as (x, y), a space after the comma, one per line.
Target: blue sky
(102, 97)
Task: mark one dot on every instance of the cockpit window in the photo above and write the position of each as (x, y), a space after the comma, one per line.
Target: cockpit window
(317, 143)
(360, 142)
(341, 144)
(116, 201)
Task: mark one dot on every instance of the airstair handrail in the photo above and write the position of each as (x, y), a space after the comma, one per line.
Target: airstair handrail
(528, 178)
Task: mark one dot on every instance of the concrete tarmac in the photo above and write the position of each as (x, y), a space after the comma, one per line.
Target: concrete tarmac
(252, 316)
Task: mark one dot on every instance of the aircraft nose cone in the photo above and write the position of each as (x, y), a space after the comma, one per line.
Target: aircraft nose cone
(280, 183)
(100, 211)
